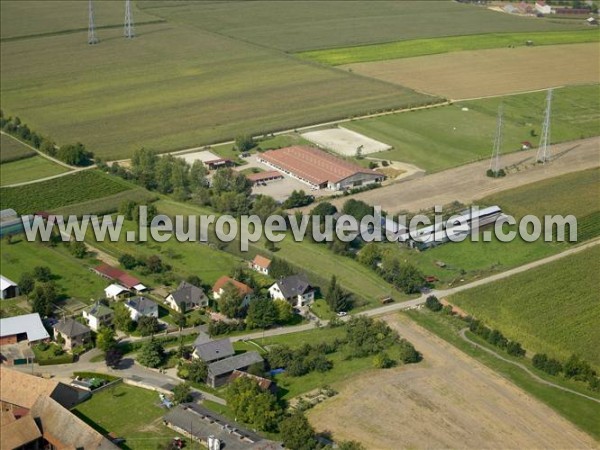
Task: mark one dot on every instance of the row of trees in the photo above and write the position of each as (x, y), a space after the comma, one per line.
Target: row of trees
(72, 154)
(40, 288)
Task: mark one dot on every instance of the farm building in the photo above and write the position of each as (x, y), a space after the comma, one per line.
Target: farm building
(186, 297)
(116, 292)
(98, 315)
(296, 289)
(220, 163)
(263, 177)
(319, 169)
(542, 8)
(264, 383)
(28, 327)
(212, 351)
(8, 288)
(123, 278)
(220, 371)
(10, 222)
(73, 333)
(245, 291)
(141, 307)
(261, 264)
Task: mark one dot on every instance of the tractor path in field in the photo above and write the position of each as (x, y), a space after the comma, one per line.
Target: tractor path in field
(463, 335)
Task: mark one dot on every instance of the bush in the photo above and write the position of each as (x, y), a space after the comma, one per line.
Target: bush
(383, 361)
(433, 303)
(514, 348)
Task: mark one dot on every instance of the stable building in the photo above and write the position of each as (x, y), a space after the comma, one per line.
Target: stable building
(8, 288)
(121, 277)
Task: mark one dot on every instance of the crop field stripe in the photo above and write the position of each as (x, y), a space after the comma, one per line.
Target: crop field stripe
(12, 149)
(423, 47)
(28, 169)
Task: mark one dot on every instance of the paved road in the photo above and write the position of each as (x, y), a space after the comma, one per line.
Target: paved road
(523, 367)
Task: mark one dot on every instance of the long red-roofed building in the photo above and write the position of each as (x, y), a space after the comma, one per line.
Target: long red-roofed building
(319, 169)
(114, 274)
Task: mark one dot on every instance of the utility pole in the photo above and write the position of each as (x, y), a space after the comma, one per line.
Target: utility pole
(495, 161)
(92, 39)
(544, 153)
(128, 27)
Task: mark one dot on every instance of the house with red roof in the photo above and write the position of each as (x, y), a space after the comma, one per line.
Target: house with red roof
(246, 292)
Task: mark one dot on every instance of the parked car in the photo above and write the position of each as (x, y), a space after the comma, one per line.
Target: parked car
(342, 314)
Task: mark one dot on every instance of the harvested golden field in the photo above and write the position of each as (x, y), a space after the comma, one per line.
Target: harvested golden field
(481, 73)
(447, 401)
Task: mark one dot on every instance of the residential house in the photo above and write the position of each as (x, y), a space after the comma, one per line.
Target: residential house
(116, 292)
(98, 315)
(141, 307)
(212, 351)
(8, 288)
(73, 333)
(187, 297)
(261, 264)
(296, 289)
(245, 291)
(220, 371)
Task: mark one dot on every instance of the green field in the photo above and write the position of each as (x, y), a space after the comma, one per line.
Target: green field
(553, 308)
(131, 413)
(28, 169)
(421, 47)
(108, 204)
(439, 138)
(302, 25)
(48, 195)
(72, 276)
(582, 412)
(13, 150)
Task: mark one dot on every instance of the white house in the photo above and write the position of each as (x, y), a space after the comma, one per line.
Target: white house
(261, 264)
(98, 315)
(116, 292)
(542, 8)
(141, 307)
(8, 288)
(295, 289)
(186, 297)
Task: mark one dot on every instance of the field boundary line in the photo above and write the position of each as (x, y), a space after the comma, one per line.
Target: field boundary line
(462, 334)
(54, 160)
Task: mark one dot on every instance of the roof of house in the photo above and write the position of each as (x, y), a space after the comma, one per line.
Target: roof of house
(213, 350)
(142, 305)
(6, 283)
(202, 338)
(27, 323)
(268, 175)
(187, 292)
(244, 289)
(115, 289)
(97, 309)
(70, 328)
(17, 433)
(261, 261)
(263, 383)
(112, 273)
(294, 285)
(64, 429)
(236, 362)
(314, 165)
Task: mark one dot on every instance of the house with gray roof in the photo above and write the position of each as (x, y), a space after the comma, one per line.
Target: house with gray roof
(213, 350)
(219, 371)
(73, 333)
(295, 289)
(27, 327)
(186, 297)
(141, 307)
(98, 315)
(8, 288)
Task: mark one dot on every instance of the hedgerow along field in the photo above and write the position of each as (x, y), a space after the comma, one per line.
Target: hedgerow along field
(13, 150)
(203, 88)
(29, 169)
(293, 26)
(51, 194)
(444, 137)
(420, 47)
(553, 308)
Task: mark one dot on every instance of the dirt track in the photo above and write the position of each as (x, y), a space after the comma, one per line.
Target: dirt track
(469, 183)
(447, 401)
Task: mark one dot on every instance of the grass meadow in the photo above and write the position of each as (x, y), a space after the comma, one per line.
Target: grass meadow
(444, 137)
(302, 25)
(28, 169)
(552, 309)
(420, 47)
(13, 150)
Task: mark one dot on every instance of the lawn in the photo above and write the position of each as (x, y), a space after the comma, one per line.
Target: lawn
(448, 44)
(72, 276)
(130, 413)
(52, 194)
(203, 88)
(553, 308)
(13, 150)
(302, 25)
(444, 137)
(580, 411)
(28, 169)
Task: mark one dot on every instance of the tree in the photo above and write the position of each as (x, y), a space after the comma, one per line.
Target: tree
(244, 142)
(179, 319)
(197, 371)
(113, 357)
(357, 209)
(297, 433)
(280, 268)
(264, 206)
(43, 297)
(252, 405)
(228, 180)
(143, 167)
(323, 209)
(409, 279)
(198, 175)
(126, 209)
(42, 273)
(298, 199)
(285, 311)
(514, 348)
(383, 361)
(26, 283)
(151, 354)
(74, 154)
(230, 302)
(194, 280)
(578, 369)
(350, 445)
(78, 249)
(433, 303)
(105, 340)
(122, 318)
(148, 325)
(128, 261)
(262, 313)
(336, 297)
(182, 393)
(369, 255)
